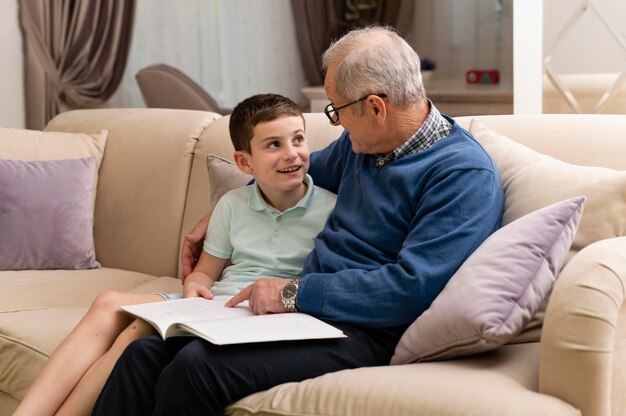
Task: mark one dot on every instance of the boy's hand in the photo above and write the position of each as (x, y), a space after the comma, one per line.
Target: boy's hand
(263, 296)
(197, 286)
(192, 246)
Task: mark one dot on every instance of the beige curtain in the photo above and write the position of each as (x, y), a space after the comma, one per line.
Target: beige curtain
(75, 53)
(319, 22)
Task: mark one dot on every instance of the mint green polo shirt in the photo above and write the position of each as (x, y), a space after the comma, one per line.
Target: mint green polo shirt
(261, 241)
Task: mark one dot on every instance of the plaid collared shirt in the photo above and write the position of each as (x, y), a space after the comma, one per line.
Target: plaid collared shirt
(435, 127)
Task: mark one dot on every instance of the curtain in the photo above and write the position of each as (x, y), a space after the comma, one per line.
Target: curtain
(74, 53)
(321, 21)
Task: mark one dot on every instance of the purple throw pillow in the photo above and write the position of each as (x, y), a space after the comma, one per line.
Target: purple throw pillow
(497, 290)
(46, 214)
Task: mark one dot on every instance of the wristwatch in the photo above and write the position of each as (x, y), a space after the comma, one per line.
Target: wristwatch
(288, 295)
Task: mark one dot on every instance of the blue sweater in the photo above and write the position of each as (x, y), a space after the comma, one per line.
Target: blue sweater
(398, 233)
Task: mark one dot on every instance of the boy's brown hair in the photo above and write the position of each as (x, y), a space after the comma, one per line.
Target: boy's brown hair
(254, 110)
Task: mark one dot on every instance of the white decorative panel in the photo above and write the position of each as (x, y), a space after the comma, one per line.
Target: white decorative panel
(589, 44)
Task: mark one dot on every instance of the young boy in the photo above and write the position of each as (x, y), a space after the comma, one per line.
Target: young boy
(264, 229)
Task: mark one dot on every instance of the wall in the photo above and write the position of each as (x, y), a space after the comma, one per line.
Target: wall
(464, 34)
(11, 75)
(233, 48)
(588, 48)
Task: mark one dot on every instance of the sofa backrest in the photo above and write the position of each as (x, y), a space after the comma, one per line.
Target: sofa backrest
(142, 182)
(153, 185)
(581, 139)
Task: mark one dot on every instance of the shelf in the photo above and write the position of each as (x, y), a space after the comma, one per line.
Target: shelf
(454, 97)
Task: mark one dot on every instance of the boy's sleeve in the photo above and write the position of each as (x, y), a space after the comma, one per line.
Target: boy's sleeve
(217, 241)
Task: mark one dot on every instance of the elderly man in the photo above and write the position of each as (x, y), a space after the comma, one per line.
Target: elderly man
(416, 195)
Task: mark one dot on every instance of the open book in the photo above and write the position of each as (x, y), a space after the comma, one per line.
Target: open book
(211, 320)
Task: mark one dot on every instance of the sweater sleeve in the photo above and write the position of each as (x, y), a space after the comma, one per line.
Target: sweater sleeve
(451, 220)
(326, 167)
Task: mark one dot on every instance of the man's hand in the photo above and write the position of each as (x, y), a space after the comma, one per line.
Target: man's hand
(197, 286)
(263, 296)
(192, 246)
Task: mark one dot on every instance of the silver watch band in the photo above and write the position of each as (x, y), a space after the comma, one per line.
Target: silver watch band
(289, 295)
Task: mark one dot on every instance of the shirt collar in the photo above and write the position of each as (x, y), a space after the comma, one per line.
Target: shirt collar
(435, 127)
(257, 203)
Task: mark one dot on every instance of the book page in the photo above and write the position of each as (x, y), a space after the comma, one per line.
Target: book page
(211, 320)
(163, 315)
(263, 328)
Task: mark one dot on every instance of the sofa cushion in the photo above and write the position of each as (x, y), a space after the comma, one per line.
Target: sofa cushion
(143, 182)
(224, 176)
(19, 144)
(47, 214)
(497, 290)
(501, 382)
(34, 322)
(41, 289)
(44, 181)
(27, 338)
(31, 145)
(532, 180)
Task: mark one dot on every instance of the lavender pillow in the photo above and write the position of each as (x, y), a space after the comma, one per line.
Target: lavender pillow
(495, 293)
(46, 214)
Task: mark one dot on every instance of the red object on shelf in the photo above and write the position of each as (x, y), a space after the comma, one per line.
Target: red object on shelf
(482, 76)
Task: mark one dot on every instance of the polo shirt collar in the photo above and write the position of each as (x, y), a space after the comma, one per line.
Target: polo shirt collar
(257, 203)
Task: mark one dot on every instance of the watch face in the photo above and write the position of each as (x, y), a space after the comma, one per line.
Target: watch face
(289, 291)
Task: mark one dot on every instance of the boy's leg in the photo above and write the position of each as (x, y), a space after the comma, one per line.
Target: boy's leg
(84, 395)
(87, 342)
(196, 377)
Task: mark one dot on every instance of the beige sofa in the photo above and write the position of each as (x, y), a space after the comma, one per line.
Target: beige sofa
(153, 187)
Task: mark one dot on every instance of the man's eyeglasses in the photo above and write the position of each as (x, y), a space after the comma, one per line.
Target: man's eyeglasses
(332, 112)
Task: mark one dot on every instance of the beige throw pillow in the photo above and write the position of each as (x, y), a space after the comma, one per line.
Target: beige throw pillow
(532, 180)
(224, 176)
(16, 144)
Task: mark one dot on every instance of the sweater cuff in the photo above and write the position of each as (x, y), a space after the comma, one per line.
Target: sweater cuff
(310, 297)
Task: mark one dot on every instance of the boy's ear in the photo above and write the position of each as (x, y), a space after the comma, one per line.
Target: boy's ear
(241, 159)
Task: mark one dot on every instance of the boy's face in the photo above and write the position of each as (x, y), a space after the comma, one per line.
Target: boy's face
(279, 157)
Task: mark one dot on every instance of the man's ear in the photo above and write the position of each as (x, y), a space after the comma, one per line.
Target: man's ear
(242, 161)
(378, 107)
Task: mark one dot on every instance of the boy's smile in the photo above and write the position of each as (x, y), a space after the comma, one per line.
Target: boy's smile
(278, 160)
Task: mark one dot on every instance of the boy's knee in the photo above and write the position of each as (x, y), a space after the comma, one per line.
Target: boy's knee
(109, 301)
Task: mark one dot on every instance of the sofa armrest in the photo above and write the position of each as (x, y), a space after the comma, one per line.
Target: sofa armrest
(583, 344)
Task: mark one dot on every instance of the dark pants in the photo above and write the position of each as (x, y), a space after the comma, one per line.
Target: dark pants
(189, 376)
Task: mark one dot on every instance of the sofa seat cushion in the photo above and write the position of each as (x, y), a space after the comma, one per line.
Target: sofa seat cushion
(26, 340)
(32, 325)
(501, 382)
(37, 289)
